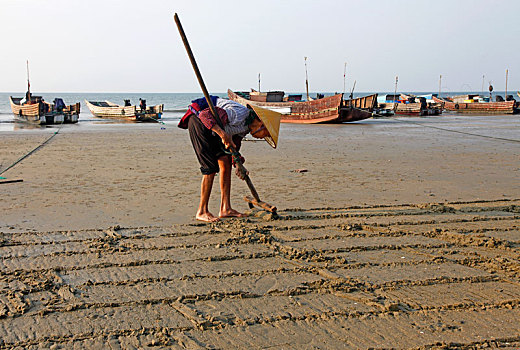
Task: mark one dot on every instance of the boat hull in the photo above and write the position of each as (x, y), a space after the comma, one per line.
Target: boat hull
(506, 107)
(414, 109)
(131, 113)
(349, 114)
(325, 110)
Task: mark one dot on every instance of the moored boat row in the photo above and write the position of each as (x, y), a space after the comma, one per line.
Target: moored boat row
(330, 109)
(434, 105)
(35, 110)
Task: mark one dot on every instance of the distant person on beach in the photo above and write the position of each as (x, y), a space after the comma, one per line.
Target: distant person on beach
(209, 140)
(44, 108)
(142, 104)
(27, 99)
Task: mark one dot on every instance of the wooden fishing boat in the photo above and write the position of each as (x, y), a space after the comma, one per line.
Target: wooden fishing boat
(35, 110)
(414, 109)
(270, 96)
(331, 109)
(359, 108)
(407, 105)
(469, 106)
(107, 109)
(411, 109)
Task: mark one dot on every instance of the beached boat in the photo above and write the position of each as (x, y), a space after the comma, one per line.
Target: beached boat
(417, 109)
(472, 104)
(360, 108)
(412, 109)
(34, 109)
(330, 109)
(107, 109)
(408, 105)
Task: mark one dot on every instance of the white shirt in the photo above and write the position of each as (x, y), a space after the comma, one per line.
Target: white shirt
(237, 115)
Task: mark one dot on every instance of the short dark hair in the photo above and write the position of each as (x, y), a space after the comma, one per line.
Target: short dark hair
(255, 116)
(252, 116)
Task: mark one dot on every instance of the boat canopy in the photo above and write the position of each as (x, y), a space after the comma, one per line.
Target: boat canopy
(100, 103)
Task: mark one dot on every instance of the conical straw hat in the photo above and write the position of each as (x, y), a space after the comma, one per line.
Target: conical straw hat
(271, 120)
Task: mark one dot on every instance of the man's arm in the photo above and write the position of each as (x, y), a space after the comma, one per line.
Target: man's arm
(226, 139)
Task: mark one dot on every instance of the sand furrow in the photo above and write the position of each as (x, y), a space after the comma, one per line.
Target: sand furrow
(89, 234)
(113, 243)
(171, 271)
(89, 260)
(87, 323)
(364, 243)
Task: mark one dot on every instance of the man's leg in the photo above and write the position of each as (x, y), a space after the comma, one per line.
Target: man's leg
(204, 143)
(203, 213)
(224, 163)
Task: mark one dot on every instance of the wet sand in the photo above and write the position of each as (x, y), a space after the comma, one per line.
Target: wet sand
(397, 236)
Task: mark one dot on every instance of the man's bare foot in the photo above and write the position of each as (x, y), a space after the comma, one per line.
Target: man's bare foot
(206, 217)
(231, 213)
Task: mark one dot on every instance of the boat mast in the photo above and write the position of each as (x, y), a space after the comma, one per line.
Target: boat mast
(483, 76)
(258, 82)
(440, 79)
(344, 77)
(306, 79)
(352, 91)
(395, 92)
(28, 83)
(507, 73)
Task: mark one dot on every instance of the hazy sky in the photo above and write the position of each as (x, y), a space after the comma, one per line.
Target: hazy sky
(134, 46)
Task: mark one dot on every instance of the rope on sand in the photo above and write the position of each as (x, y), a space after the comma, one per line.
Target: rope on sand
(32, 151)
(444, 129)
(163, 127)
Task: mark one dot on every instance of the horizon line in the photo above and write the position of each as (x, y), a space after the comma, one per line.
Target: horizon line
(225, 92)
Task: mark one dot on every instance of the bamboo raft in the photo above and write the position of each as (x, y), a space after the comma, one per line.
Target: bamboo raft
(331, 109)
(107, 109)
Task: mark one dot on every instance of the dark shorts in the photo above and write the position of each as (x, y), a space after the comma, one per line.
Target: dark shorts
(207, 145)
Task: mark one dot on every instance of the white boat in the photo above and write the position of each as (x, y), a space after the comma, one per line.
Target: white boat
(107, 109)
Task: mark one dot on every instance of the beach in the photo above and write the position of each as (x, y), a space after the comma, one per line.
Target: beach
(392, 233)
